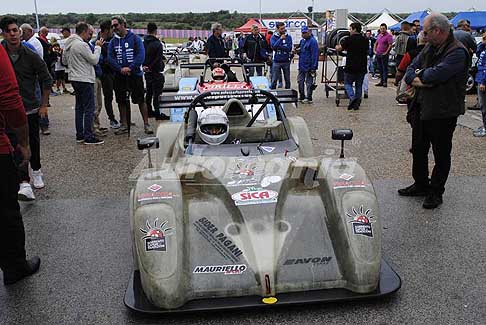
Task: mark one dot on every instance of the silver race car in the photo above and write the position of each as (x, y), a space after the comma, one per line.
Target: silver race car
(234, 210)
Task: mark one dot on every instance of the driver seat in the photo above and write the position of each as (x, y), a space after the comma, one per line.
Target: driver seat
(236, 113)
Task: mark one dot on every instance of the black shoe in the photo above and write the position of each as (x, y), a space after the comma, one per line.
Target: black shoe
(432, 201)
(365, 95)
(413, 190)
(474, 108)
(384, 85)
(356, 107)
(379, 84)
(15, 275)
(94, 141)
(162, 117)
(79, 140)
(352, 104)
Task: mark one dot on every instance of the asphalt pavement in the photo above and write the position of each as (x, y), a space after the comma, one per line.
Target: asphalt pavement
(79, 227)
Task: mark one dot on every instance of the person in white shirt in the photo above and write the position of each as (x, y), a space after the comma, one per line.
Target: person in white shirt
(28, 35)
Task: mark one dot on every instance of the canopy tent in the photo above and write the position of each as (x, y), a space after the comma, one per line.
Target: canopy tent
(420, 15)
(384, 18)
(477, 19)
(246, 28)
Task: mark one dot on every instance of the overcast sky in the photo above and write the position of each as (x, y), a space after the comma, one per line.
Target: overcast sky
(163, 6)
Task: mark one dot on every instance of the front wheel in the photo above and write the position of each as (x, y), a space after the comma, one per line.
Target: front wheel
(470, 84)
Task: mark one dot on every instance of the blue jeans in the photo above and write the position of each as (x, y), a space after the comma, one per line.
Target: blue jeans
(382, 62)
(371, 65)
(305, 81)
(482, 104)
(277, 69)
(259, 71)
(84, 109)
(357, 79)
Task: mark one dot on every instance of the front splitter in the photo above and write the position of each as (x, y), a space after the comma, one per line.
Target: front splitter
(136, 299)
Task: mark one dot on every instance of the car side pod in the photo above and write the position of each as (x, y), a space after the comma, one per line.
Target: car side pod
(343, 135)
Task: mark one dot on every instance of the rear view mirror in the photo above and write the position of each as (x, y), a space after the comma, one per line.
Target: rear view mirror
(147, 143)
(342, 134)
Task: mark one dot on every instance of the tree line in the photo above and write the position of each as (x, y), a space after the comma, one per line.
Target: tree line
(190, 20)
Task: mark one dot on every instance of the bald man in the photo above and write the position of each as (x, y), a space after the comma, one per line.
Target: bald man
(28, 35)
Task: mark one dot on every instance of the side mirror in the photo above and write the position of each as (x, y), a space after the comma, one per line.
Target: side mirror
(148, 143)
(343, 135)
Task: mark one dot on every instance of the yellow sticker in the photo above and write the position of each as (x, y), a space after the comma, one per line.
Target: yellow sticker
(270, 300)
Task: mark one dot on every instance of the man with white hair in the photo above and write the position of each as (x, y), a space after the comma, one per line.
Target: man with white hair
(439, 74)
(28, 35)
(215, 42)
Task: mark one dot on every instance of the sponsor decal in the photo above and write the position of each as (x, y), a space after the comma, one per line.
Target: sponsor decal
(267, 149)
(155, 237)
(154, 188)
(361, 221)
(218, 240)
(267, 181)
(245, 172)
(254, 195)
(147, 197)
(226, 85)
(346, 177)
(308, 260)
(349, 184)
(225, 269)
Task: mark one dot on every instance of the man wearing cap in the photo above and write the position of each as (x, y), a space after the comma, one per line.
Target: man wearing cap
(308, 51)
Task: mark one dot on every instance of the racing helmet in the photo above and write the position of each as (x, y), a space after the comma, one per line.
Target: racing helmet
(218, 74)
(213, 126)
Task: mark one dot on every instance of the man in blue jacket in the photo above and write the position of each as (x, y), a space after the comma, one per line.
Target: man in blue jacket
(481, 80)
(126, 55)
(308, 61)
(281, 44)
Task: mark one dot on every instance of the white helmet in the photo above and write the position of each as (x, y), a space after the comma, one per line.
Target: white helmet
(213, 126)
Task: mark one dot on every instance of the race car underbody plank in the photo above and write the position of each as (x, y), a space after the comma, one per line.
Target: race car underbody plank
(136, 299)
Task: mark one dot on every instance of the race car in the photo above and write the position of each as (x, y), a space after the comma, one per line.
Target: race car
(235, 77)
(235, 211)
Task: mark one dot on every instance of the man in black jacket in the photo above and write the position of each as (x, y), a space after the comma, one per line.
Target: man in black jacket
(107, 75)
(215, 43)
(255, 49)
(439, 74)
(153, 66)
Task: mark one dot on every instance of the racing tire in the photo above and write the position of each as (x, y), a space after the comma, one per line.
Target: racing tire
(470, 84)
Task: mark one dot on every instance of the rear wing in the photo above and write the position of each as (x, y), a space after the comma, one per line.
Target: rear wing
(219, 98)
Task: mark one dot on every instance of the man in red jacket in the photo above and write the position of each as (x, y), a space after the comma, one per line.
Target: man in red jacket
(13, 261)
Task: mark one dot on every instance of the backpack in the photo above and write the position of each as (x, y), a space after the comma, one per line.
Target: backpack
(401, 44)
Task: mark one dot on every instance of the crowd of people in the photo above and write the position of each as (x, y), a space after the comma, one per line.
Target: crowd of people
(432, 67)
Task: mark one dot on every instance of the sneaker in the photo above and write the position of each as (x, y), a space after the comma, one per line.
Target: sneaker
(302, 100)
(94, 141)
(474, 108)
(379, 84)
(79, 140)
(103, 130)
(122, 130)
(114, 124)
(413, 190)
(148, 129)
(432, 201)
(400, 103)
(25, 193)
(305, 101)
(37, 177)
(309, 101)
(100, 134)
(365, 95)
(480, 133)
(45, 131)
(15, 274)
(374, 77)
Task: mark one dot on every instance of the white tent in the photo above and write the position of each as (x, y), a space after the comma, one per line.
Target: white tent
(385, 17)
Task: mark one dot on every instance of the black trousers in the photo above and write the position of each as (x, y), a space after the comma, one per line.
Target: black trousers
(12, 235)
(107, 87)
(155, 85)
(438, 134)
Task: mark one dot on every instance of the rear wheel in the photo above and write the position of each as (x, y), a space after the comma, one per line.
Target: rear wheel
(470, 84)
